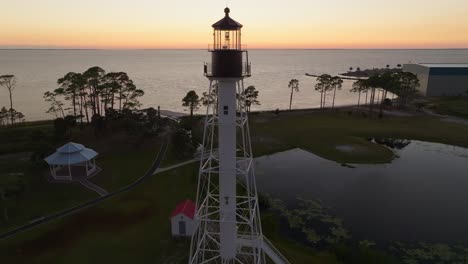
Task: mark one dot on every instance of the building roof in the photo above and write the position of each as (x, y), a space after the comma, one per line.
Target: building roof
(227, 23)
(444, 65)
(186, 207)
(70, 154)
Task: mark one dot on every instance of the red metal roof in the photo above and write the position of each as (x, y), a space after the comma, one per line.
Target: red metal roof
(186, 207)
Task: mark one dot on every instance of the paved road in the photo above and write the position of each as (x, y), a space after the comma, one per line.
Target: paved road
(94, 202)
(447, 118)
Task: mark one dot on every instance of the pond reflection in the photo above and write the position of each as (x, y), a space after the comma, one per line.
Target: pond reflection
(421, 196)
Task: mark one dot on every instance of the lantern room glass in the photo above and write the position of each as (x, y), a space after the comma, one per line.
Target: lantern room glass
(227, 39)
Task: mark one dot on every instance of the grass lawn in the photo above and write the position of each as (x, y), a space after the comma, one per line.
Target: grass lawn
(456, 106)
(124, 165)
(39, 197)
(122, 160)
(134, 227)
(24, 137)
(322, 133)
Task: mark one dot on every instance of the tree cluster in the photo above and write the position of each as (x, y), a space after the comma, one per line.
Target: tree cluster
(402, 84)
(326, 83)
(93, 93)
(193, 102)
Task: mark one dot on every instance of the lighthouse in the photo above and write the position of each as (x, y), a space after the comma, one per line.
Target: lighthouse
(227, 210)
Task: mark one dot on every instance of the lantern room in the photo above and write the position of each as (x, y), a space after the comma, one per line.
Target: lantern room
(227, 33)
(227, 53)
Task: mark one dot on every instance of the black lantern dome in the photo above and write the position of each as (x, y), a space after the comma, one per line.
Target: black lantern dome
(227, 23)
(227, 53)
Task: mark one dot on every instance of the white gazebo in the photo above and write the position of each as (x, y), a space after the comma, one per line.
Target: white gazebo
(72, 161)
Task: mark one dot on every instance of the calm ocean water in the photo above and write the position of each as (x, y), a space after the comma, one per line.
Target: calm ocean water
(167, 75)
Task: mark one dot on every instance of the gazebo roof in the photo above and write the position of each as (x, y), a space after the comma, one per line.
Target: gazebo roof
(70, 154)
(70, 148)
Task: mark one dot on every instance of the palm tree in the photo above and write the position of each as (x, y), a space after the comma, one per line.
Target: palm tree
(294, 86)
(337, 83)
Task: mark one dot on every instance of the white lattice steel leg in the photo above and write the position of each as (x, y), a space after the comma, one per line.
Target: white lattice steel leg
(208, 245)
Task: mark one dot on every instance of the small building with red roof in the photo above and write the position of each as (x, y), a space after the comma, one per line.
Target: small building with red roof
(183, 219)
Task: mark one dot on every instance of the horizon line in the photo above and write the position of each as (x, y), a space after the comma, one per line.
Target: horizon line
(124, 49)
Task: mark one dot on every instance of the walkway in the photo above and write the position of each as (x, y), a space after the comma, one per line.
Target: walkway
(446, 118)
(73, 210)
(196, 159)
(93, 187)
(159, 170)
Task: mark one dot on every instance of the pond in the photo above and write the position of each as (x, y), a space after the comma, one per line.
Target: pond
(420, 196)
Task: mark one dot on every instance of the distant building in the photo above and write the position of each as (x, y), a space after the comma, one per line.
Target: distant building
(440, 79)
(183, 219)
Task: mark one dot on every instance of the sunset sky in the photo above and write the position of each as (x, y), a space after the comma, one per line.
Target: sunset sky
(146, 24)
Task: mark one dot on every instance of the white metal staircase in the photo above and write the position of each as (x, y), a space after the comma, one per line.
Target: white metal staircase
(268, 248)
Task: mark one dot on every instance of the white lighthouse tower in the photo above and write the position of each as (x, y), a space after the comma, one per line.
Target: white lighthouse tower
(227, 210)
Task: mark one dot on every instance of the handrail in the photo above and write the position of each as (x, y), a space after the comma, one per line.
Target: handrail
(212, 47)
(275, 250)
(265, 245)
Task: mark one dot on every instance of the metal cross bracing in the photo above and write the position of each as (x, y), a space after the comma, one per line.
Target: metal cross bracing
(206, 245)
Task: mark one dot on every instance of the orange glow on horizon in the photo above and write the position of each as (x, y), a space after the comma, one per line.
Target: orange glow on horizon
(143, 24)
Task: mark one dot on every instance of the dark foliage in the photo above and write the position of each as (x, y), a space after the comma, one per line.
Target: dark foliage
(184, 146)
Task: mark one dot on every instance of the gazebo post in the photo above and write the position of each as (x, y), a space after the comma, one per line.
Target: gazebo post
(69, 172)
(87, 172)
